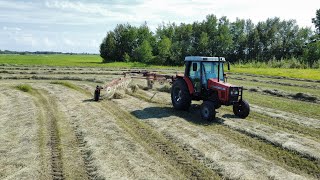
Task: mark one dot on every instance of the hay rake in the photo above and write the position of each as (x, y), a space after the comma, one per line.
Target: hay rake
(123, 82)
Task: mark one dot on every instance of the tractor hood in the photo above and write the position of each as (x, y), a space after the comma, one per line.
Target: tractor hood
(214, 84)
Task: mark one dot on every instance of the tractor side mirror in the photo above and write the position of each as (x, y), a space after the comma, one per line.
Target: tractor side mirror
(194, 66)
(228, 66)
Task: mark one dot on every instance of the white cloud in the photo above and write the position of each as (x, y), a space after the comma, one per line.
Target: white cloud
(68, 42)
(79, 26)
(5, 28)
(26, 39)
(48, 43)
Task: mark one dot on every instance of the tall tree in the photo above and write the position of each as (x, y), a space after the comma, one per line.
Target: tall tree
(108, 48)
(143, 53)
(164, 50)
(316, 21)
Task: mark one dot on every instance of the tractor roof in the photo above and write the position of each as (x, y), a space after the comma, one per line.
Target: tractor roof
(203, 58)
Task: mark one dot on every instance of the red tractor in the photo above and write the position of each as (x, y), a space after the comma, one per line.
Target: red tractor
(204, 79)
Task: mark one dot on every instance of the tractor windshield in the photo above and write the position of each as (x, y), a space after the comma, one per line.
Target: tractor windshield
(210, 70)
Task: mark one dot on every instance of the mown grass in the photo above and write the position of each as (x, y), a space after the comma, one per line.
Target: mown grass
(278, 123)
(150, 139)
(288, 159)
(288, 89)
(283, 104)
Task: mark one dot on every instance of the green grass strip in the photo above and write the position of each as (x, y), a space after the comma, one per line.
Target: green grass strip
(24, 87)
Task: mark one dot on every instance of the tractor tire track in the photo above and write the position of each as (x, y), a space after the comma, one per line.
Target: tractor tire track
(211, 150)
(85, 151)
(47, 110)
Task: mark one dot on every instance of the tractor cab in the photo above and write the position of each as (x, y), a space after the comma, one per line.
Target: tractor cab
(204, 79)
(202, 69)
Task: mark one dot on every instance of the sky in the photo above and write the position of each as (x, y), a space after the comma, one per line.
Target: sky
(80, 26)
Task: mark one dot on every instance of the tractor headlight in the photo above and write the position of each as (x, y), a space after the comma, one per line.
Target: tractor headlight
(234, 91)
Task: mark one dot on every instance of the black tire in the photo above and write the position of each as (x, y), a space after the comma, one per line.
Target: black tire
(180, 96)
(241, 109)
(208, 111)
(96, 95)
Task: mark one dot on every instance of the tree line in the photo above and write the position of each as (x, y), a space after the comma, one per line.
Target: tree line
(242, 40)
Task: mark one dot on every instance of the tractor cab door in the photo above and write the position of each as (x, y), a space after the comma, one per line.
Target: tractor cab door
(195, 75)
(209, 71)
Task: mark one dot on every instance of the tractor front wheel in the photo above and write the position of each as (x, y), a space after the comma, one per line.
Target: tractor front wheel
(208, 111)
(241, 109)
(180, 95)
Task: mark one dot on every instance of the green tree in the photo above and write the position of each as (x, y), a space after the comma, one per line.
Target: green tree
(203, 45)
(312, 53)
(126, 40)
(239, 38)
(126, 57)
(316, 21)
(143, 53)
(108, 48)
(164, 50)
(223, 38)
(211, 26)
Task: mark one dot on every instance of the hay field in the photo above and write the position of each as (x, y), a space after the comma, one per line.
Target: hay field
(52, 129)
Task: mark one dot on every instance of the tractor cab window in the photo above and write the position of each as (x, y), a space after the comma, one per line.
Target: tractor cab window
(210, 71)
(194, 74)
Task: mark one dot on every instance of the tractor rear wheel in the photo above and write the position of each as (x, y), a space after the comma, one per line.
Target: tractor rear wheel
(180, 95)
(241, 109)
(208, 111)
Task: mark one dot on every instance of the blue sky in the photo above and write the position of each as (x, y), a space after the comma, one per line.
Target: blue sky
(80, 26)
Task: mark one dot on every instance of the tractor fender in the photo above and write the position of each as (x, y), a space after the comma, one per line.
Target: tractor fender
(189, 84)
